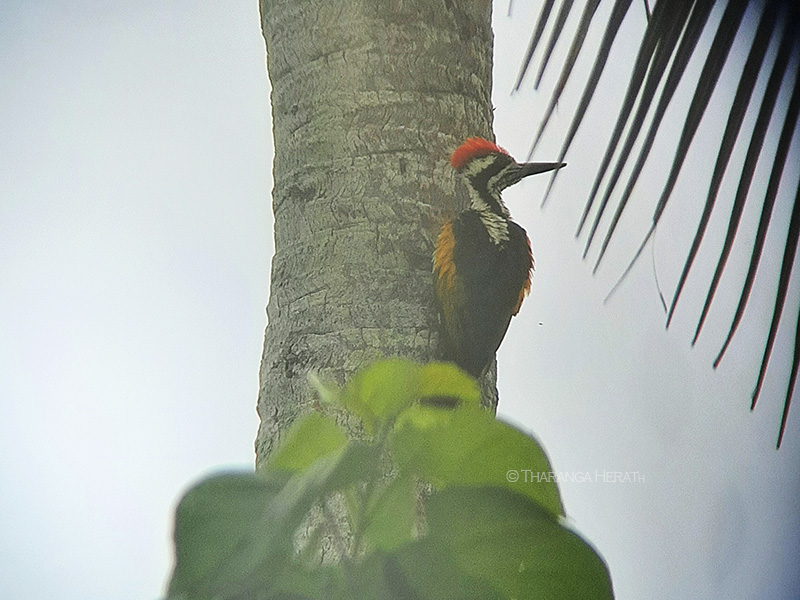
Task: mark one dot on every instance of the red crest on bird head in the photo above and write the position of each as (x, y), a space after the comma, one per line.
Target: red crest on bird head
(474, 147)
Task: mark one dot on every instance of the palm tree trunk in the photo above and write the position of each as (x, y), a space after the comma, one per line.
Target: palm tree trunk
(369, 97)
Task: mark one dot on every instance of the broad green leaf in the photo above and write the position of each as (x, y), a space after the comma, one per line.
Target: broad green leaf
(508, 541)
(308, 439)
(382, 391)
(470, 447)
(299, 583)
(214, 518)
(422, 416)
(392, 518)
(445, 380)
(378, 577)
(429, 568)
(231, 557)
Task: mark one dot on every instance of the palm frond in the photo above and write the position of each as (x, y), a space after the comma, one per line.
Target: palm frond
(744, 91)
(753, 151)
(612, 27)
(547, 8)
(669, 42)
(569, 63)
(647, 50)
(790, 248)
(766, 214)
(563, 13)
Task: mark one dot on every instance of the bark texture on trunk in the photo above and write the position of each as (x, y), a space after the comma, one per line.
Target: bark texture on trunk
(369, 98)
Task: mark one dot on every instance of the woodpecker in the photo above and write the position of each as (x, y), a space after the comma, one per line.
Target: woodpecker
(482, 263)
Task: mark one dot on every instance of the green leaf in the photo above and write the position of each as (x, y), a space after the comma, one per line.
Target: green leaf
(431, 571)
(418, 574)
(382, 391)
(308, 439)
(445, 380)
(235, 537)
(423, 416)
(393, 516)
(298, 583)
(469, 447)
(506, 540)
(214, 518)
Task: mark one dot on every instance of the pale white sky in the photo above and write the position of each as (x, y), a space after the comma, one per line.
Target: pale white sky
(135, 239)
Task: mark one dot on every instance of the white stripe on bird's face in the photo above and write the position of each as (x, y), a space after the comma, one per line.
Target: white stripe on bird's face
(488, 176)
(497, 183)
(478, 165)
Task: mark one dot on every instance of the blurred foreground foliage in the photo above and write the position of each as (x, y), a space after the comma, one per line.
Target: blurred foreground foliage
(425, 506)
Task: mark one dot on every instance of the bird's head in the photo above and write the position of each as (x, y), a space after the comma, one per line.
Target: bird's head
(489, 170)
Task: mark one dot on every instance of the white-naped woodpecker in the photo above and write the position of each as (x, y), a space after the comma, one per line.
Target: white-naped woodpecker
(482, 263)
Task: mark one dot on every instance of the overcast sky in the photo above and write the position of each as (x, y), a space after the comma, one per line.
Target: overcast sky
(135, 240)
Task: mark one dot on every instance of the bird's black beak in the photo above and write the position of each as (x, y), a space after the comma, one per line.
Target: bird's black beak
(526, 169)
(518, 171)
